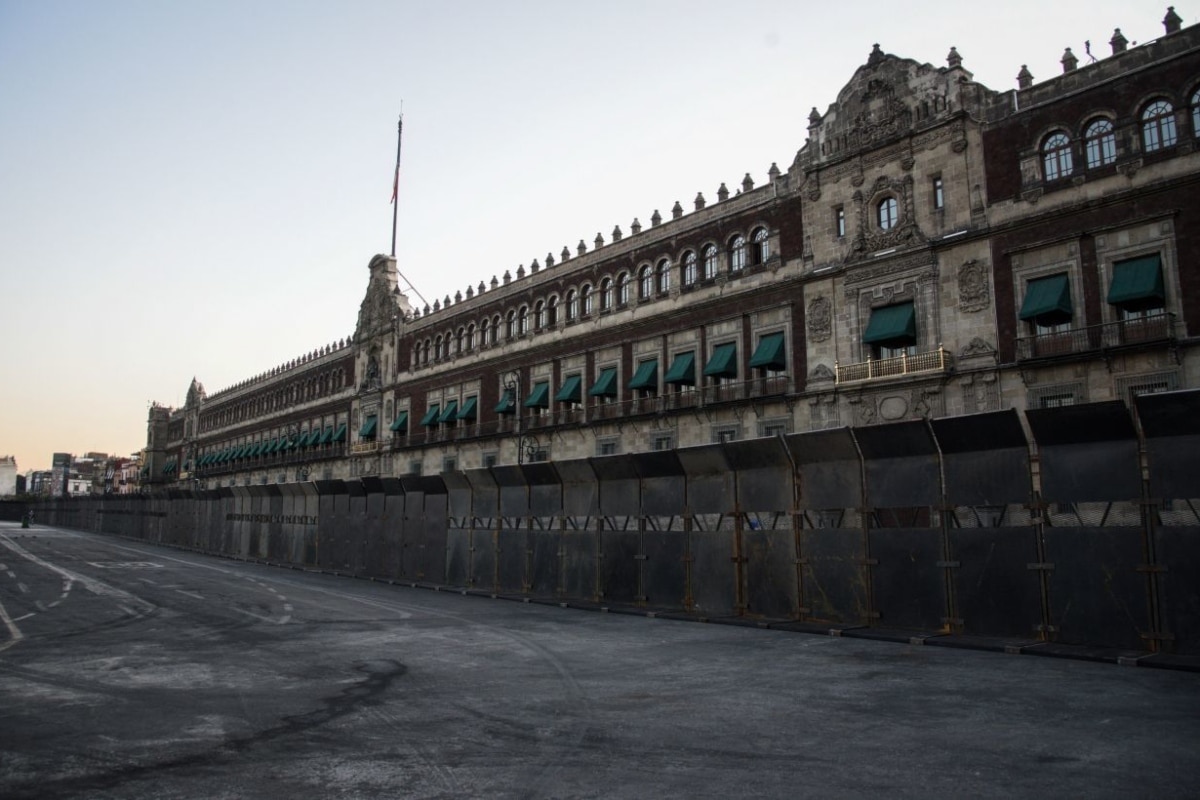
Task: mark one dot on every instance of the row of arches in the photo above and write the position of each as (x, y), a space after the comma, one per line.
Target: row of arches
(649, 282)
(276, 398)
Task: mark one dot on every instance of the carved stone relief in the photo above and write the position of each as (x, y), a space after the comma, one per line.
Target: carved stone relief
(820, 319)
(974, 294)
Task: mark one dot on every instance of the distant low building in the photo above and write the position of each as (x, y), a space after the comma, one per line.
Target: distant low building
(8, 476)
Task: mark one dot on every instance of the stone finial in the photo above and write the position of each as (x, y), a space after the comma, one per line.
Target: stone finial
(446, 302)
(1069, 61)
(814, 117)
(581, 248)
(773, 172)
(507, 277)
(953, 59)
(1171, 21)
(436, 306)
(616, 234)
(747, 183)
(676, 210)
(549, 260)
(656, 217)
(565, 253)
(520, 271)
(482, 288)
(495, 283)
(470, 292)
(722, 192)
(699, 201)
(599, 241)
(1118, 41)
(876, 57)
(1024, 78)
(458, 297)
(427, 309)
(635, 227)
(534, 267)
(416, 313)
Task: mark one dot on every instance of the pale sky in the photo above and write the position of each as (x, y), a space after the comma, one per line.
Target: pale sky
(197, 188)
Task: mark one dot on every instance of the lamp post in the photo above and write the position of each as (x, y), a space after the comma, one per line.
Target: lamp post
(302, 469)
(527, 443)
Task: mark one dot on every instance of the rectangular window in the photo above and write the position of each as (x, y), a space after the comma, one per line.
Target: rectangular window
(725, 433)
(489, 460)
(607, 447)
(662, 441)
(449, 464)
(414, 468)
(1056, 400)
(939, 193)
(839, 221)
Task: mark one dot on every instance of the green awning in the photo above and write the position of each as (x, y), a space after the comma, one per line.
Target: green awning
(468, 410)
(723, 363)
(273, 446)
(449, 413)
(1048, 299)
(569, 392)
(770, 353)
(400, 423)
(256, 449)
(892, 324)
(539, 397)
(326, 436)
(605, 385)
(683, 370)
(646, 376)
(431, 416)
(506, 405)
(301, 440)
(314, 437)
(340, 434)
(1138, 282)
(367, 430)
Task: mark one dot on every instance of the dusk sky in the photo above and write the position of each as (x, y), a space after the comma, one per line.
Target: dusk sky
(195, 189)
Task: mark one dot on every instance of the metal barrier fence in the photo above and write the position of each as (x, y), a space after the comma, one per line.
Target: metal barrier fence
(1078, 525)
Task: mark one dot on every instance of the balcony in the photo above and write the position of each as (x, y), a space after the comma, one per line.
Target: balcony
(931, 363)
(1158, 329)
(364, 448)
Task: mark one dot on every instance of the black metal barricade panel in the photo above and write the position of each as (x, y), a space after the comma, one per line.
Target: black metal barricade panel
(909, 585)
(710, 481)
(354, 529)
(996, 593)
(765, 476)
(901, 465)
(545, 562)
(347, 534)
(458, 503)
(581, 489)
(1177, 549)
(1097, 595)
(485, 494)
(327, 522)
(483, 559)
(374, 542)
(514, 491)
(579, 564)
(545, 489)
(1171, 423)
(391, 532)
(985, 459)
(619, 564)
(620, 492)
(771, 585)
(663, 483)
(274, 538)
(833, 573)
(458, 556)
(830, 469)
(1087, 452)
(664, 569)
(412, 540)
(433, 553)
(511, 555)
(242, 527)
(714, 576)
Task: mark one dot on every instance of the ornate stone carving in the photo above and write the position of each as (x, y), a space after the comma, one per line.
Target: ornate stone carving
(820, 319)
(821, 373)
(977, 347)
(974, 293)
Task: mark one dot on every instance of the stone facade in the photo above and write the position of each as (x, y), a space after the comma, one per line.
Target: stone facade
(892, 272)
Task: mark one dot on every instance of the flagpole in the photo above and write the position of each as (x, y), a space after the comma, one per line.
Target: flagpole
(396, 183)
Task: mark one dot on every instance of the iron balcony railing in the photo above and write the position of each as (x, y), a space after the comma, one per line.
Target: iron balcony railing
(921, 363)
(1093, 338)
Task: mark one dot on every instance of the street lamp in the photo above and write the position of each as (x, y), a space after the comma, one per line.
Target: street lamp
(302, 469)
(527, 443)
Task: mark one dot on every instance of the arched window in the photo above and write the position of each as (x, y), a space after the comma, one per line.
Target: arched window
(471, 337)
(523, 321)
(888, 213)
(437, 349)
(485, 333)
(510, 331)
(1056, 157)
(664, 275)
(458, 340)
(1158, 126)
(1196, 113)
(539, 315)
(552, 310)
(586, 299)
(689, 268)
(496, 329)
(737, 253)
(710, 262)
(572, 305)
(760, 249)
(623, 289)
(645, 282)
(1099, 143)
(606, 294)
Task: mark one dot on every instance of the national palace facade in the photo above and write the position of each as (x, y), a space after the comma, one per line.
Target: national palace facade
(935, 248)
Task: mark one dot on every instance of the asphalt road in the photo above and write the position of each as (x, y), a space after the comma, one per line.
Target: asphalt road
(133, 671)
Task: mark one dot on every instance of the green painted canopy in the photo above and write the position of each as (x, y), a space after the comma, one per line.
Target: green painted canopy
(896, 323)
(683, 370)
(1047, 299)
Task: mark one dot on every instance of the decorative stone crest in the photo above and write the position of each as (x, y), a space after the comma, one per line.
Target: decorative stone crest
(820, 319)
(974, 294)
(977, 347)
(821, 373)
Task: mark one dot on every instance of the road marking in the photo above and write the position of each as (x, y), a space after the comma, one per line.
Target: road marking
(272, 620)
(13, 631)
(23, 587)
(98, 588)
(125, 565)
(12, 574)
(191, 594)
